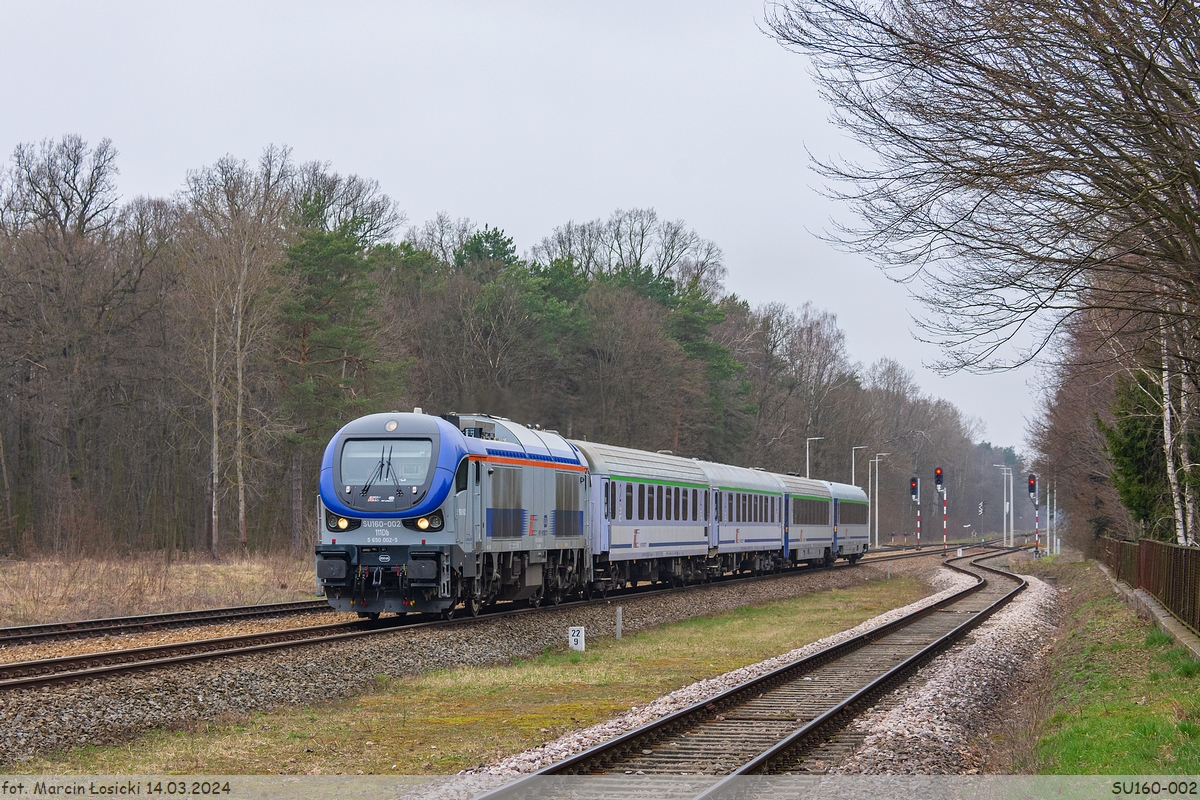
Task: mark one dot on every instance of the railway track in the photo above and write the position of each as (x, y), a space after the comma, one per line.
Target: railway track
(70, 669)
(783, 722)
(23, 634)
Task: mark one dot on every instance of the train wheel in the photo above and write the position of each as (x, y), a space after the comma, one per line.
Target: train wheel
(535, 599)
(556, 597)
(448, 613)
(473, 605)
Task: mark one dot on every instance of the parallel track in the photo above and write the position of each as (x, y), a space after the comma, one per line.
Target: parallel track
(24, 634)
(773, 724)
(69, 669)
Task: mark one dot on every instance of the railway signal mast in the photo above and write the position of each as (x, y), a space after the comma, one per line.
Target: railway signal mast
(914, 489)
(1033, 495)
(941, 487)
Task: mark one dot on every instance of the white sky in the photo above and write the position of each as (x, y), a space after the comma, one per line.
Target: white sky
(522, 115)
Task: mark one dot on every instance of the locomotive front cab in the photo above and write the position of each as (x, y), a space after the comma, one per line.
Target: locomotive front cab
(386, 532)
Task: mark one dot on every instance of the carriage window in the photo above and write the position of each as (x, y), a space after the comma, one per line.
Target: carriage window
(658, 498)
(807, 511)
(675, 492)
(629, 501)
(852, 513)
(685, 504)
(706, 505)
(641, 501)
(606, 505)
(668, 504)
(773, 502)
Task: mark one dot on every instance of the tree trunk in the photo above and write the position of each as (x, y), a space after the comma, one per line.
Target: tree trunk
(298, 499)
(1169, 441)
(215, 477)
(9, 517)
(238, 443)
(1185, 456)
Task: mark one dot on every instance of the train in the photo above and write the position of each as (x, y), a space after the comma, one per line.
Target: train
(433, 514)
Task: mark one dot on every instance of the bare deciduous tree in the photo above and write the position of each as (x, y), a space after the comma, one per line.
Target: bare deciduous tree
(237, 215)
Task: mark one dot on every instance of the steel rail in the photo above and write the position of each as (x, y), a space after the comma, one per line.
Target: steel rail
(70, 669)
(22, 634)
(605, 756)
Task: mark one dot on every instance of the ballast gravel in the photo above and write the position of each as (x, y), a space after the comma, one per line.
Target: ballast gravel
(115, 709)
(949, 701)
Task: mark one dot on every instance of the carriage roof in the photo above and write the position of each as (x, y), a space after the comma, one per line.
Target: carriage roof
(625, 462)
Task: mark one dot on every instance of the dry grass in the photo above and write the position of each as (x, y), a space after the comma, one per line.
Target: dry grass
(36, 591)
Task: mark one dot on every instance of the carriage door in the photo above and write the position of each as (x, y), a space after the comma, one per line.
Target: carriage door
(476, 508)
(610, 492)
(713, 514)
(837, 514)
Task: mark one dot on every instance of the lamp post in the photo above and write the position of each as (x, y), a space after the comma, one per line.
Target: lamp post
(807, 445)
(878, 458)
(1005, 520)
(852, 454)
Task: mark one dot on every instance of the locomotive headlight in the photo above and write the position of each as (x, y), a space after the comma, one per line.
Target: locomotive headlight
(423, 523)
(343, 523)
(435, 522)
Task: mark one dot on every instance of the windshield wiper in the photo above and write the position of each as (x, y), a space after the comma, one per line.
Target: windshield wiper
(382, 470)
(389, 470)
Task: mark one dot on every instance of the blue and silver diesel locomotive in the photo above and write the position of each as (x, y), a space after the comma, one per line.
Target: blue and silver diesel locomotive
(424, 513)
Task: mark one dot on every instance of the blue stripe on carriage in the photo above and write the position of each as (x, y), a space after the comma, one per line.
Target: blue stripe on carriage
(672, 544)
(751, 541)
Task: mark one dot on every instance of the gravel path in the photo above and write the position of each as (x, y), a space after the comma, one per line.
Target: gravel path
(111, 710)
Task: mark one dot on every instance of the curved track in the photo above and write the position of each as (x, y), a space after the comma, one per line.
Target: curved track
(69, 669)
(772, 724)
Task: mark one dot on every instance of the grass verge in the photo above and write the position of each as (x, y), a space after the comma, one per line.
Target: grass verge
(446, 721)
(1123, 699)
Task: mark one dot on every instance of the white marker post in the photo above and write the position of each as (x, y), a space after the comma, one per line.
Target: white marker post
(575, 638)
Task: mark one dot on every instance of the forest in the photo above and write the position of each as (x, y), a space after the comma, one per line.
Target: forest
(171, 368)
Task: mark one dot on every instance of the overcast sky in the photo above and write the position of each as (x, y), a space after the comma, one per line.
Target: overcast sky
(521, 115)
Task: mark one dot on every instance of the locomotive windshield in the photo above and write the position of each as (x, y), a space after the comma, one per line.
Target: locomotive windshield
(386, 461)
